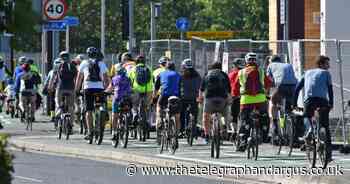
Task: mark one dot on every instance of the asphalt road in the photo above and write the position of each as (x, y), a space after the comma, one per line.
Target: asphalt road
(34, 168)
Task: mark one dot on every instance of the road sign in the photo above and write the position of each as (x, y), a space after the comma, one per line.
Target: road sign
(182, 24)
(55, 9)
(210, 34)
(59, 25)
(71, 21)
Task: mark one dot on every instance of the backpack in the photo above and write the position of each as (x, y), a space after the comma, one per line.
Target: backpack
(94, 71)
(215, 82)
(143, 75)
(253, 85)
(67, 72)
(28, 82)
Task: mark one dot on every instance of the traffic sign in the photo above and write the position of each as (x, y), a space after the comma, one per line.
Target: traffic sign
(210, 34)
(71, 21)
(55, 9)
(182, 24)
(58, 25)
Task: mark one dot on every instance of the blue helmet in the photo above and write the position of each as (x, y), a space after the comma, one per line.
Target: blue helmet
(92, 52)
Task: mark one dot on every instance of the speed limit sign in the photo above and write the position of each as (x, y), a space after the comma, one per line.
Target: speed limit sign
(55, 9)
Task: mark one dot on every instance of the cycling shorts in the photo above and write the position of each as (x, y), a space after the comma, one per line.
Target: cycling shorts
(90, 99)
(214, 104)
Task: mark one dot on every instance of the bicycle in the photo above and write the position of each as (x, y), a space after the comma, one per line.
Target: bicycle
(254, 135)
(315, 142)
(28, 119)
(142, 125)
(215, 135)
(125, 117)
(168, 133)
(191, 124)
(65, 118)
(100, 115)
(285, 129)
(10, 107)
(81, 116)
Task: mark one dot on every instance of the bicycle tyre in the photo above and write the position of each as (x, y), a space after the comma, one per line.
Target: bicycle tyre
(192, 130)
(60, 129)
(322, 148)
(173, 136)
(256, 142)
(101, 129)
(68, 127)
(311, 152)
(163, 140)
(291, 134)
(125, 131)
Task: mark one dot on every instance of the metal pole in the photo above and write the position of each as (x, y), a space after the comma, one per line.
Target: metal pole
(340, 68)
(67, 39)
(181, 45)
(131, 26)
(286, 24)
(103, 22)
(153, 35)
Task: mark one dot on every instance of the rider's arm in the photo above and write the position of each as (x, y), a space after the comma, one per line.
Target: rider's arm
(79, 81)
(17, 83)
(106, 80)
(299, 86)
(330, 90)
(156, 86)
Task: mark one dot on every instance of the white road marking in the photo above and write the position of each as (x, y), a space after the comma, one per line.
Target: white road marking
(28, 179)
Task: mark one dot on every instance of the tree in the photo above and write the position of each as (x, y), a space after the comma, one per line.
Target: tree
(6, 167)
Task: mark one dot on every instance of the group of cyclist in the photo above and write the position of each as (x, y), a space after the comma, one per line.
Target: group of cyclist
(245, 88)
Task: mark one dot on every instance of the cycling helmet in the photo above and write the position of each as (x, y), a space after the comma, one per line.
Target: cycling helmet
(119, 69)
(10, 81)
(239, 62)
(250, 57)
(276, 59)
(141, 59)
(64, 55)
(163, 60)
(30, 61)
(100, 55)
(187, 63)
(92, 52)
(126, 56)
(22, 60)
(78, 59)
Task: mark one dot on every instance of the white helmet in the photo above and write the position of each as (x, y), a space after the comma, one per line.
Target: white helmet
(22, 60)
(250, 57)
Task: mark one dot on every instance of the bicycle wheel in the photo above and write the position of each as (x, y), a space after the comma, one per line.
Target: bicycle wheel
(101, 128)
(173, 136)
(191, 130)
(256, 142)
(215, 141)
(290, 130)
(163, 140)
(322, 148)
(125, 129)
(60, 129)
(68, 127)
(311, 152)
(250, 151)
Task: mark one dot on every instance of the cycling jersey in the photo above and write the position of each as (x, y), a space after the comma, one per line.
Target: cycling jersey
(122, 87)
(169, 83)
(232, 77)
(190, 86)
(84, 69)
(158, 71)
(140, 88)
(281, 74)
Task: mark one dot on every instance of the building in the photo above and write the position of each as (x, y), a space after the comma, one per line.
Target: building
(311, 19)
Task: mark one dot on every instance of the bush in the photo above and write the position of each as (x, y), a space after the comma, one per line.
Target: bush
(6, 167)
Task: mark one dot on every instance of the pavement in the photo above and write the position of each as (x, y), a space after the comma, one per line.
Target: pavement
(44, 139)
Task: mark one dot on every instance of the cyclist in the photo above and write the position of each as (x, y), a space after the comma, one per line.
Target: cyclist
(162, 66)
(64, 78)
(33, 67)
(238, 64)
(142, 83)
(317, 84)
(251, 84)
(191, 81)
(3, 73)
(214, 91)
(76, 61)
(18, 70)
(92, 77)
(25, 87)
(169, 84)
(121, 85)
(283, 86)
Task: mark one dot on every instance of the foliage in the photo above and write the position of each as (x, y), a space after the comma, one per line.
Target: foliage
(6, 167)
(249, 18)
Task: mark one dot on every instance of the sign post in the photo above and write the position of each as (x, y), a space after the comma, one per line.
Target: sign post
(182, 24)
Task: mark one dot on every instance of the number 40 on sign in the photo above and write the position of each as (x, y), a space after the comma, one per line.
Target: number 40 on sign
(55, 9)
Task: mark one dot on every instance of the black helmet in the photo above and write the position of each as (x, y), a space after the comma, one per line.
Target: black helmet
(64, 55)
(100, 55)
(30, 61)
(141, 59)
(92, 52)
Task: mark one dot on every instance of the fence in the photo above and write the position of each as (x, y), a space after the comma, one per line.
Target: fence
(178, 50)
